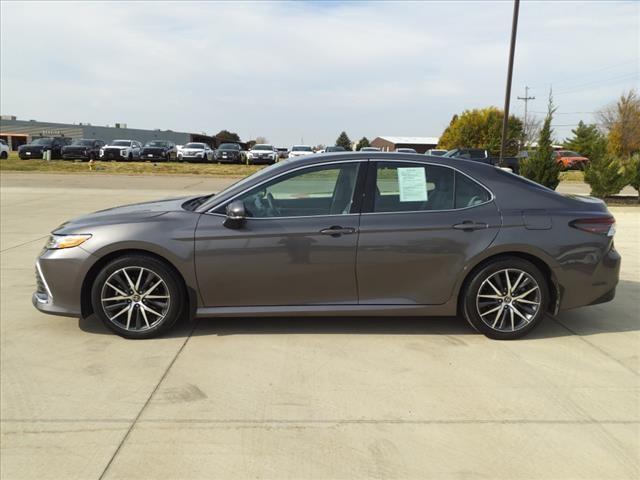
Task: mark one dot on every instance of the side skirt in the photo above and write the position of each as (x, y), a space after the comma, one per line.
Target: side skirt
(328, 310)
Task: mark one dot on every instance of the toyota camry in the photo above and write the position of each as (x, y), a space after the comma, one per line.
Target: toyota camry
(368, 234)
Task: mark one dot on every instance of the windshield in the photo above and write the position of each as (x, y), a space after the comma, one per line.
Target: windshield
(335, 149)
(229, 146)
(42, 141)
(301, 148)
(156, 143)
(262, 147)
(121, 143)
(194, 145)
(83, 143)
(568, 153)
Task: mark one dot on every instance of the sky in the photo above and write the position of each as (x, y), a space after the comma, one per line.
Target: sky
(301, 72)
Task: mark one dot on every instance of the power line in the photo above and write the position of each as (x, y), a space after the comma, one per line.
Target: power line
(591, 72)
(597, 83)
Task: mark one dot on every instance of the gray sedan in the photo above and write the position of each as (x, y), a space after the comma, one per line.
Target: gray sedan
(369, 234)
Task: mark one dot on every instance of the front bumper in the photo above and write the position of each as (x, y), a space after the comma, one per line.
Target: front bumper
(59, 278)
(189, 158)
(30, 154)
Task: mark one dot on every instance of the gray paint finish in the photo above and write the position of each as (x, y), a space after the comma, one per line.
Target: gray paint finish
(393, 264)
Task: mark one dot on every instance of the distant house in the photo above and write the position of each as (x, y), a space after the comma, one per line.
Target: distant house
(419, 144)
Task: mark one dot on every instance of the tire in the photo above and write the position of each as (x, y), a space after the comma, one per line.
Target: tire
(136, 315)
(487, 292)
(4, 155)
(130, 158)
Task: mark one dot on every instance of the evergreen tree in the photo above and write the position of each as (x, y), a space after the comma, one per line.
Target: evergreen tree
(606, 176)
(542, 166)
(363, 142)
(633, 173)
(588, 141)
(344, 141)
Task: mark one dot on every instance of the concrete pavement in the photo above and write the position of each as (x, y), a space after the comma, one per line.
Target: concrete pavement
(303, 398)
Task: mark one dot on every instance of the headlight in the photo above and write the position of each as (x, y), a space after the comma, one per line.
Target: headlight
(57, 242)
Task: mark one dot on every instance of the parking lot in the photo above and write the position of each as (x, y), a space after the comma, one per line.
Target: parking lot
(304, 398)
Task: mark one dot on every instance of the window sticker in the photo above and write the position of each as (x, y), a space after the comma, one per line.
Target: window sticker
(413, 184)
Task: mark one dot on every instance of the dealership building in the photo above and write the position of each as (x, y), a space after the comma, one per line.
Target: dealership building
(419, 144)
(18, 132)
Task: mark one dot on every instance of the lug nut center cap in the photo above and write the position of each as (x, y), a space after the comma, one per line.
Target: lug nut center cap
(136, 298)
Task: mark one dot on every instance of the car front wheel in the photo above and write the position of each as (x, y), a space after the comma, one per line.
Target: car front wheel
(506, 298)
(137, 296)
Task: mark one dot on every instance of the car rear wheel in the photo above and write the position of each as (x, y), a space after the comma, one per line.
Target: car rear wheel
(506, 298)
(137, 296)
(4, 155)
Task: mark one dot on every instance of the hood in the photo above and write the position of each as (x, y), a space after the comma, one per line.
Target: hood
(262, 152)
(136, 212)
(115, 147)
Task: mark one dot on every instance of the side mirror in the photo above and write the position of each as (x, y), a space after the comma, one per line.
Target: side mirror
(236, 215)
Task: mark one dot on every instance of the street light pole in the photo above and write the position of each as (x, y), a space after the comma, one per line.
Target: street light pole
(507, 96)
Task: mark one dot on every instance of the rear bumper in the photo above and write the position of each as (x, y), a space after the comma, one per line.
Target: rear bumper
(584, 284)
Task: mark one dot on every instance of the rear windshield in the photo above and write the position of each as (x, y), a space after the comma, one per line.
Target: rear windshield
(42, 141)
(83, 143)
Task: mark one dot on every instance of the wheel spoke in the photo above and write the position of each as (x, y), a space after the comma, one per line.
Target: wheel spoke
(144, 315)
(513, 324)
(129, 317)
(497, 317)
(517, 312)
(139, 279)
(147, 297)
(116, 289)
(120, 312)
(110, 299)
(515, 285)
(129, 281)
(497, 297)
(522, 300)
(506, 274)
(491, 311)
(528, 292)
(494, 288)
(151, 310)
(155, 285)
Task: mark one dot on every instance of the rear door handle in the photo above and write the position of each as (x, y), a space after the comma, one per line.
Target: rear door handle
(469, 226)
(336, 231)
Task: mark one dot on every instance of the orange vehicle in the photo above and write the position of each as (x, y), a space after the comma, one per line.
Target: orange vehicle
(569, 159)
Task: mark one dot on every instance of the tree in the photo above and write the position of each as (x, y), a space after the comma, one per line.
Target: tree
(482, 128)
(227, 136)
(363, 142)
(588, 141)
(261, 140)
(606, 176)
(344, 141)
(633, 173)
(622, 122)
(542, 166)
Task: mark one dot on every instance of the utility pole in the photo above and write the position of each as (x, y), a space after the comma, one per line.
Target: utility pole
(507, 95)
(526, 99)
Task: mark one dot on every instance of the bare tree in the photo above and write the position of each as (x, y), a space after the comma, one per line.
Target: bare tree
(621, 120)
(262, 140)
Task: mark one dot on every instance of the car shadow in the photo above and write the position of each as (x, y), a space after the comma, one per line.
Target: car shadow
(615, 316)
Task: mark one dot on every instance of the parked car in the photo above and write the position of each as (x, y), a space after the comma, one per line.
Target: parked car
(38, 146)
(126, 150)
(283, 153)
(335, 148)
(369, 149)
(300, 151)
(82, 149)
(569, 159)
(229, 152)
(405, 150)
(196, 152)
(263, 153)
(4, 149)
(435, 152)
(376, 234)
(484, 156)
(162, 150)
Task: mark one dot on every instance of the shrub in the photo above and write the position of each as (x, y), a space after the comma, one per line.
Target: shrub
(606, 176)
(633, 173)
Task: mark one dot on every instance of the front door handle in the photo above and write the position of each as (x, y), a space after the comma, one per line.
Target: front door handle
(469, 226)
(336, 231)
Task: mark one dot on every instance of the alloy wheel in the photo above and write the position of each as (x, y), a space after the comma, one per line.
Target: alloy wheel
(135, 298)
(508, 300)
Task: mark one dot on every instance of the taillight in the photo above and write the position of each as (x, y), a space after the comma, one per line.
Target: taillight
(602, 225)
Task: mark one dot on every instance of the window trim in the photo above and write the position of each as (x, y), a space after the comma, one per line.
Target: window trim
(372, 178)
(357, 199)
